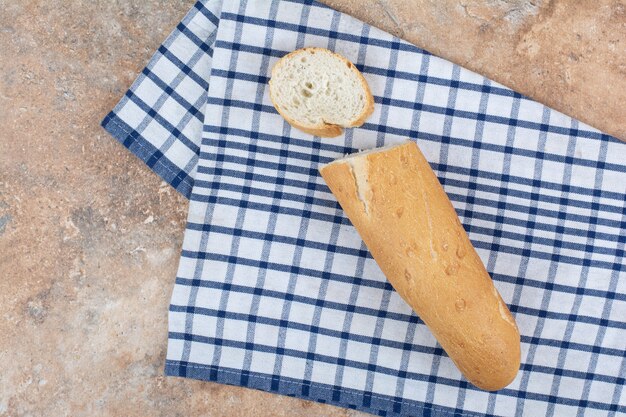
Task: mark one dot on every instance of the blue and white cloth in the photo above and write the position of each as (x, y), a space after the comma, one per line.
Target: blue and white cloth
(276, 291)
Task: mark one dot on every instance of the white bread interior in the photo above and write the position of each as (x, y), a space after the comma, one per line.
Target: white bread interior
(320, 92)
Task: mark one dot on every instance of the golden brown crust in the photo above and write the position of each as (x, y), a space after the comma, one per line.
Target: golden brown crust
(328, 131)
(325, 130)
(414, 234)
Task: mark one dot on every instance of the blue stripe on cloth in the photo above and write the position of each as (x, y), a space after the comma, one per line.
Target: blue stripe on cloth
(170, 92)
(381, 128)
(388, 315)
(208, 12)
(344, 335)
(298, 251)
(173, 368)
(352, 399)
(144, 150)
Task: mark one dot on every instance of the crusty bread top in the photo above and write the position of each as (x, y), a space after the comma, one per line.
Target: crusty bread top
(399, 208)
(319, 92)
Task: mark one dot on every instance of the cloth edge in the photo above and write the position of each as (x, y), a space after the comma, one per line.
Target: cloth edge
(146, 152)
(342, 397)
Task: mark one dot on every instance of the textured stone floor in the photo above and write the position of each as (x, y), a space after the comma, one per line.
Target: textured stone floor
(89, 237)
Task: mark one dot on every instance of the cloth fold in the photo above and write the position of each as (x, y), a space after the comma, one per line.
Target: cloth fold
(275, 289)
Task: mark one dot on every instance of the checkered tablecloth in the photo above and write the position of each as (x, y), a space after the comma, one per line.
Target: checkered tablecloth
(276, 291)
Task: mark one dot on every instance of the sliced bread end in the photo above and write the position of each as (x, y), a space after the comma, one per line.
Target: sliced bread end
(320, 92)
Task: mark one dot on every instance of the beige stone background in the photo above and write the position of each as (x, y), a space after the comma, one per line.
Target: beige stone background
(89, 237)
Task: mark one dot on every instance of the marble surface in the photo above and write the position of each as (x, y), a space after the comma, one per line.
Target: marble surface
(89, 237)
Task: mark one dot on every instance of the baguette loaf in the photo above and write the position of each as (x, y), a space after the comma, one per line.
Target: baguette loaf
(319, 92)
(393, 198)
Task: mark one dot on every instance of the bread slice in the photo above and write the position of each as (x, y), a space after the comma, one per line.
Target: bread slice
(395, 201)
(320, 92)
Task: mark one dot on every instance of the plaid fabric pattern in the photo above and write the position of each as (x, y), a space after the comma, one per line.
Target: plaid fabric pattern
(276, 291)
(160, 117)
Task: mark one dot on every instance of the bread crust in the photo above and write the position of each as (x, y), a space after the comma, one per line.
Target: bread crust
(325, 130)
(399, 208)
